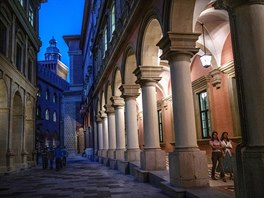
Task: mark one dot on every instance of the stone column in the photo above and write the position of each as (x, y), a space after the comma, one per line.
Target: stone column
(247, 30)
(188, 165)
(152, 157)
(111, 130)
(100, 135)
(130, 93)
(105, 133)
(118, 104)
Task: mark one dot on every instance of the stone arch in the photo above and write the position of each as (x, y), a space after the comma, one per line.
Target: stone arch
(150, 52)
(117, 82)
(108, 91)
(17, 127)
(227, 52)
(181, 15)
(102, 100)
(97, 102)
(150, 34)
(129, 65)
(3, 122)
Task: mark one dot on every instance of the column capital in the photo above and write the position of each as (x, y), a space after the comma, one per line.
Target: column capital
(102, 114)
(148, 73)
(98, 118)
(129, 91)
(231, 4)
(109, 109)
(117, 101)
(174, 44)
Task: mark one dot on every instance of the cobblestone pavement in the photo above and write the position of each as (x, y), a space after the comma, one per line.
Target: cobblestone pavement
(80, 178)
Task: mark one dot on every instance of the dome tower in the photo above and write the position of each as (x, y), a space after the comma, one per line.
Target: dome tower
(52, 52)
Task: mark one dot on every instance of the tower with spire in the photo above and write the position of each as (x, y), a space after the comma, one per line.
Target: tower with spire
(51, 82)
(52, 60)
(52, 52)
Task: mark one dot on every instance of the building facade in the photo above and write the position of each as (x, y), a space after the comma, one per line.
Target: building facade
(74, 134)
(148, 94)
(51, 82)
(19, 44)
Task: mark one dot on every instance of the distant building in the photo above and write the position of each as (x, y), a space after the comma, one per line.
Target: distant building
(51, 82)
(19, 44)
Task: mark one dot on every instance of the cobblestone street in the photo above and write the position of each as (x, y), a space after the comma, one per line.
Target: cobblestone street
(80, 178)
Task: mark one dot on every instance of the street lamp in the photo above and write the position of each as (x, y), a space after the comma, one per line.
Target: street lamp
(206, 58)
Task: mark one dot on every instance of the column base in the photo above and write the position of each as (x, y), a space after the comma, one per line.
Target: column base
(111, 153)
(152, 159)
(100, 153)
(132, 155)
(120, 154)
(188, 168)
(123, 166)
(104, 152)
(250, 171)
(10, 161)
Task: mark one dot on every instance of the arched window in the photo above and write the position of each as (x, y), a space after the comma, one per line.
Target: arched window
(47, 114)
(54, 117)
(105, 41)
(38, 112)
(54, 99)
(112, 19)
(47, 94)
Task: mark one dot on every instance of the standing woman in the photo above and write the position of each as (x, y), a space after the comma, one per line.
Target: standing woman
(227, 146)
(217, 156)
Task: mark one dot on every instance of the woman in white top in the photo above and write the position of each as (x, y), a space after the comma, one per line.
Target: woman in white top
(228, 160)
(217, 156)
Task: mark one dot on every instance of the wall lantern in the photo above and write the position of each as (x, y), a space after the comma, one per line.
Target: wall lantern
(206, 58)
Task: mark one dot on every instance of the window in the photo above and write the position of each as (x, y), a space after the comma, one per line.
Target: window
(3, 38)
(38, 112)
(47, 114)
(105, 40)
(160, 126)
(112, 20)
(31, 15)
(47, 95)
(54, 117)
(18, 57)
(204, 114)
(54, 99)
(21, 2)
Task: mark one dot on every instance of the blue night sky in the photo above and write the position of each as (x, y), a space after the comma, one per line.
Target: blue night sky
(58, 18)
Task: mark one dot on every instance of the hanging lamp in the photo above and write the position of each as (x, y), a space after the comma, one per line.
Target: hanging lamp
(206, 58)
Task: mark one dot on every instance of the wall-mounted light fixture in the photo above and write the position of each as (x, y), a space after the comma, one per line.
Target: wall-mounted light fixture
(206, 58)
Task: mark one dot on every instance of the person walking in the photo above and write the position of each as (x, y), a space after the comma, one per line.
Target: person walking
(228, 159)
(44, 155)
(217, 156)
(58, 158)
(51, 157)
(64, 155)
